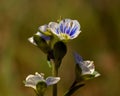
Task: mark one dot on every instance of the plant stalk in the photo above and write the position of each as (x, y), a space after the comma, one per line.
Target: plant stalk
(55, 74)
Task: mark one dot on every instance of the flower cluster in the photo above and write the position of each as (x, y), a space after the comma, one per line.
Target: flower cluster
(64, 30)
(51, 38)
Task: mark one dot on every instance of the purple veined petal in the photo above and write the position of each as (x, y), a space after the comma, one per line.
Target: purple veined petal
(61, 27)
(78, 58)
(53, 27)
(67, 21)
(43, 28)
(75, 31)
(68, 30)
(64, 24)
(69, 27)
(75, 35)
(64, 29)
(52, 80)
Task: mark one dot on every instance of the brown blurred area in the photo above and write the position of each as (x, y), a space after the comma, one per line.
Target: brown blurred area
(99, 41)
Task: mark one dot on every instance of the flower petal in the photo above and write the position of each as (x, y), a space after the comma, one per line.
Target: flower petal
(52, 80)
(31, 40)
(90, 65)
(85, 70)
(53, 27)
(75, 30)
(77, 58)
(96, 74)
(43, 28)
(30, 84)
(32, 80)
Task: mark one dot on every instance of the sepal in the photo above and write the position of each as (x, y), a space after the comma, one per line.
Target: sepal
(41, 43)
(41, 88)
(59, 51)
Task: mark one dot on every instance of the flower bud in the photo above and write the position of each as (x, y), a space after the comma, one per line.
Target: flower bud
(59, 51)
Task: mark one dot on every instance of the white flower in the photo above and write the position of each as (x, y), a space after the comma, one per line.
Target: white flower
(66, 29)
(43, 34)
(33, 80)
(31, 39)
(87, 67)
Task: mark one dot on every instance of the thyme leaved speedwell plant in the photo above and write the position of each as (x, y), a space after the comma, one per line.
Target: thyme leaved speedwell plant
(51, 39)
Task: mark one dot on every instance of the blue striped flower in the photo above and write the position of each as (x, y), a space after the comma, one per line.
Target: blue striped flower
(66, 29)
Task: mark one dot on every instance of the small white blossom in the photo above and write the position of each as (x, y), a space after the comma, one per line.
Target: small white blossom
(31, 39)
(33, 80)
(87, 67)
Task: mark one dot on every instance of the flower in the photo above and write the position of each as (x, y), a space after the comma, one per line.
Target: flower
(87, 67)
(66, 29)
(31, 39)
(33, 80)
(44, 29)
(43, 34)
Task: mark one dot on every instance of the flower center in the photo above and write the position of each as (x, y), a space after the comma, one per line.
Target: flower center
(64, 36)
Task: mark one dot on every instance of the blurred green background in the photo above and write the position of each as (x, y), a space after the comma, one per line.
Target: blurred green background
(99, 41)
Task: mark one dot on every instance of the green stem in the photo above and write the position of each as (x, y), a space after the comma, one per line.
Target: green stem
(55, 74)
(72, 90)
(39, 94)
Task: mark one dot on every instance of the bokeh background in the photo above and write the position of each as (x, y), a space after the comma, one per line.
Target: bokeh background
(99, 41)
